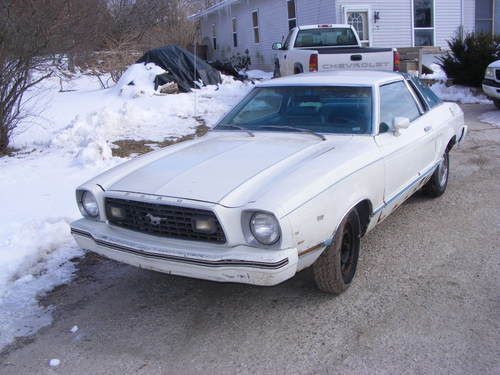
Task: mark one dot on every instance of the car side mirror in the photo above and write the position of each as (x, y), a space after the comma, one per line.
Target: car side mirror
(277, 46)
(399, 124)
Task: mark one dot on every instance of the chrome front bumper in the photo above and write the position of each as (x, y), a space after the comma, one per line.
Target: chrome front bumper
(241, 264)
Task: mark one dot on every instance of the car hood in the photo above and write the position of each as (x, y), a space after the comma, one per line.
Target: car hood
(494, 64)
(223, 167)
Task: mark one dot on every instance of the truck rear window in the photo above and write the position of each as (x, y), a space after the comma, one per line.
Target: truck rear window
(325, 37)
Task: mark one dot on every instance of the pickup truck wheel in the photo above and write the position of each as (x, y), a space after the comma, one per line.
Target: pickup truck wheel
(335, 268)
(436, 186)
(276, 73)
(497, 103)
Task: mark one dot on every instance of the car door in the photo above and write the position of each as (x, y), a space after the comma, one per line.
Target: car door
(283, 55)
(408, 153)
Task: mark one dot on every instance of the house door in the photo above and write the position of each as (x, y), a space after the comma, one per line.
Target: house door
(360, 20)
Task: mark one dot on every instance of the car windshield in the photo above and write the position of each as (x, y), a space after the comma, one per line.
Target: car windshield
(326, 37)
(329, 109)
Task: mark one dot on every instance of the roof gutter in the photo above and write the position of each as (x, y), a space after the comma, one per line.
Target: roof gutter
(211, 9)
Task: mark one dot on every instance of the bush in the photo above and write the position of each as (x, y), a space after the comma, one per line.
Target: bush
(469, 56)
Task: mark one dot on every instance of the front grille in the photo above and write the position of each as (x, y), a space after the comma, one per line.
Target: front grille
(497, 73)
(169, 221)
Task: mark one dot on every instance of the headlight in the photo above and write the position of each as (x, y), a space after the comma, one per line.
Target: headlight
(89, 204)
(490, 73)
(265, 228)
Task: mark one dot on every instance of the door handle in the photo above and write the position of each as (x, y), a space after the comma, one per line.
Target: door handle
(427, 129)
(356, 57)
(284, 57)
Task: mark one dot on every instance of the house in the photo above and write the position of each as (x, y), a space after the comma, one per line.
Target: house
(233, 27)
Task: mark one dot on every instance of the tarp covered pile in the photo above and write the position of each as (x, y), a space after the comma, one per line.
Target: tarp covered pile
(182, 67)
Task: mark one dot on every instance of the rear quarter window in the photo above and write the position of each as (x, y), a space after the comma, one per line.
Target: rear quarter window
(425, 93)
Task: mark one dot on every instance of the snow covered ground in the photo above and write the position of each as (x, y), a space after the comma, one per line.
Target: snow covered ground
(67, 142)
(492, 118)
(454, 93)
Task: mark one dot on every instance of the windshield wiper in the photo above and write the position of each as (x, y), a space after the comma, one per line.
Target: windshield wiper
(301, 130)
(231, 126)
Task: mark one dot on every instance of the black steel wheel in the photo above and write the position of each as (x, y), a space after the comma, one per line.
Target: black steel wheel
(438, 182)
(335, 268)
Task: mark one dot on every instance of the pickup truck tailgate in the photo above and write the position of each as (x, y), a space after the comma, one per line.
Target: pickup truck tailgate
(355, 58)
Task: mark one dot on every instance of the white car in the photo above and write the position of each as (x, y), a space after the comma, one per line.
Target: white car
(293, 176)
(491, 82)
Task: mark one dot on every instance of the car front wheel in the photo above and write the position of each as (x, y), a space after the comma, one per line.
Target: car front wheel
(335, 268)
(436, 186)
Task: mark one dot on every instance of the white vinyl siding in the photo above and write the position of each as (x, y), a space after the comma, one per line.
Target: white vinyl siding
(392, 29)
(447, 19)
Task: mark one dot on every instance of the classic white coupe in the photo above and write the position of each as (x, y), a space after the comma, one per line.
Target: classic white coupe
(293, 176)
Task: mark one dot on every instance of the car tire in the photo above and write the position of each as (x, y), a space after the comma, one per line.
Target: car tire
(497, 103)
(335, 268)
(436, 186)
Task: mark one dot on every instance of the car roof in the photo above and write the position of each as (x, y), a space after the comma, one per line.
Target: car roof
(344, 77)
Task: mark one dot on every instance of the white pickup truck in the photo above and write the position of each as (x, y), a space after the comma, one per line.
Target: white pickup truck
(323, 48)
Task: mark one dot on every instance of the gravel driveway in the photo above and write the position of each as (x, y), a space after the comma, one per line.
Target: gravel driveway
(426, 300)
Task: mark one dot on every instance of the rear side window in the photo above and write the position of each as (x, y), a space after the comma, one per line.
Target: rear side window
(325, 37)
(425, 93)
(396, 101)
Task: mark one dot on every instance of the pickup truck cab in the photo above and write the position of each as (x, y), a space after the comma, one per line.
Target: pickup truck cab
(324, 48)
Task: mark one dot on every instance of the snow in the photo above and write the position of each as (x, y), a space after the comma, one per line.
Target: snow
(438, 73)
(459, 94)
(68, 142)
(453, 93)
(54, 362)
(257, 74)
(492, 118)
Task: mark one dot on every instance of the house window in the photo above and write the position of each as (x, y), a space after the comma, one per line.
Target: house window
(292, 18)
(423, 22)
(235, 32)
(484, 16)
(255, 25)
(214, 37)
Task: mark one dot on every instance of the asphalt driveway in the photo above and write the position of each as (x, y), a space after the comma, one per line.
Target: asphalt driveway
(426, 300)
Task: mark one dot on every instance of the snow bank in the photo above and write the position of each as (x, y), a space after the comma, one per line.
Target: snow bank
(257, 74)
(454, 93)
(438, 73)
(138, 80)
(68, 143)
(459, 94)
(492, 118)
